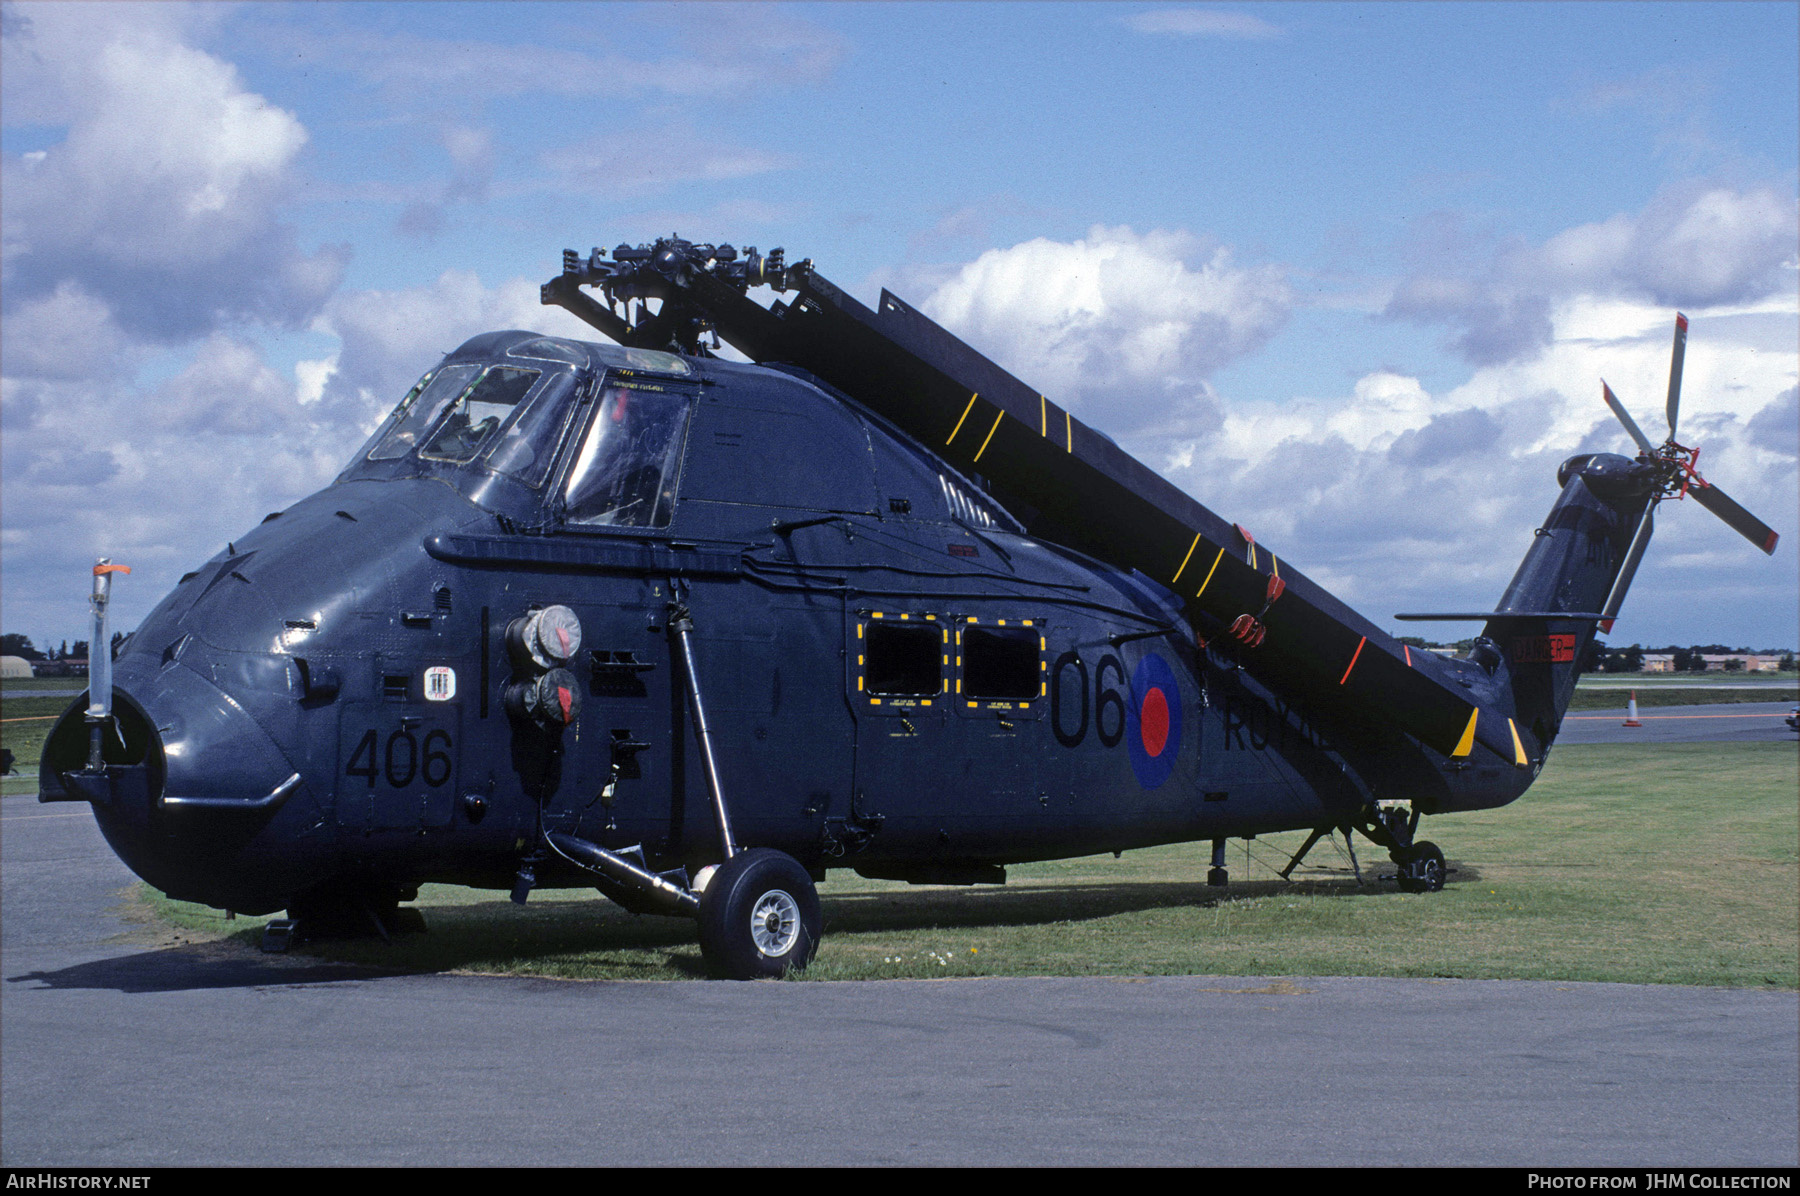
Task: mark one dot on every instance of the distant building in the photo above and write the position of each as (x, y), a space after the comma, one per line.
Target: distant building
(1664, 662)
(68, 666)
(1751, 664)
(14, 666)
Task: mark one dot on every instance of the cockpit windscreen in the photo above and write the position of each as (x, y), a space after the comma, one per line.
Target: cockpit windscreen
(458, 413)
(419, 410)
(477, 414)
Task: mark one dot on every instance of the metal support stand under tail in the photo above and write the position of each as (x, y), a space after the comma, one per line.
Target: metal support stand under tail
(1319, 832)
(1350, 846)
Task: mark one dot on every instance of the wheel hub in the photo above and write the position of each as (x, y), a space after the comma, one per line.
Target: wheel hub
(775, 923)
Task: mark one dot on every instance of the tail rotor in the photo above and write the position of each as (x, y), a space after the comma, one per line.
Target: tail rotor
(1677, 476)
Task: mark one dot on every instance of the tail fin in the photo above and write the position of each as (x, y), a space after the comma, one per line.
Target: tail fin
(1570, 585)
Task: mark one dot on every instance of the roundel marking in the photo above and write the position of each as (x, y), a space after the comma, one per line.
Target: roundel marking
(1153, 721)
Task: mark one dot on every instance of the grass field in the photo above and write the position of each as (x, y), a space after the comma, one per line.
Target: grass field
(1676, 864)
(28, 716)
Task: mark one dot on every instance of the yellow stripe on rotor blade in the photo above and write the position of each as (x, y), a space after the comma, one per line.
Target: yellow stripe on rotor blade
(1043, 416)
(1466, 744)
(1186, 559)
(998, 416)
(1209, 573)
(965, 415)
(1069, 431)
(1519, 759)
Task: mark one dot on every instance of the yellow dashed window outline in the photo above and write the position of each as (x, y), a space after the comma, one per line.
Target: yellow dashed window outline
(865, 693)
(971, 704)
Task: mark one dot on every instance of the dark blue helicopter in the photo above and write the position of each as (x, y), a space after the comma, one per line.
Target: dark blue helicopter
(635, 617)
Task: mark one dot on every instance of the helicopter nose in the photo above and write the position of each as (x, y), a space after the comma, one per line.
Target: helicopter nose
(191, 787)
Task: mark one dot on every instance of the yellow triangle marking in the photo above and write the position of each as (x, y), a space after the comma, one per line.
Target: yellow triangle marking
(1518, 748)
(1466, 744)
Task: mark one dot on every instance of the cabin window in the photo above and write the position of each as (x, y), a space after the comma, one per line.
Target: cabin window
(419, 410)
(1000, 664)
(478, 412)
(902, 659)
(625, 473)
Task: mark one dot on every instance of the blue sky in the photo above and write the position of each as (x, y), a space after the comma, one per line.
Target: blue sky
(1350, 274)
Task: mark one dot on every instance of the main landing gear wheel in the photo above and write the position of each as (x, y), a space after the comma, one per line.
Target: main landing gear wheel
(1422, 871)
(759, 916)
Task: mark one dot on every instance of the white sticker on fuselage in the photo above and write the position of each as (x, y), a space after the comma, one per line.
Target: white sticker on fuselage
(440, 683)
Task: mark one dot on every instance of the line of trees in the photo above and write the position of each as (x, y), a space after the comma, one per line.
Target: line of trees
(14, 644)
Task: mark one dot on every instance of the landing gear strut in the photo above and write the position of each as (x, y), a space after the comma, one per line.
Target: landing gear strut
(1420, 865)
(758, 910)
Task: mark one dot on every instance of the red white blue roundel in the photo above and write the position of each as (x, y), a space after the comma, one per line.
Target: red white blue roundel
(1153, 721)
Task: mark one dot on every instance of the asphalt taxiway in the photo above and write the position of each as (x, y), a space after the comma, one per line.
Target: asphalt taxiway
(1726, 722)
(118, 1052)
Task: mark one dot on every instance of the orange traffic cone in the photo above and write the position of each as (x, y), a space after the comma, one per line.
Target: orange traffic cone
(1631, 718)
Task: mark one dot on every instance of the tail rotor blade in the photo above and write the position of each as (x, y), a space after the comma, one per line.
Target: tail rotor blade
(1618, 409)
(1739, 520)
(1676, 355)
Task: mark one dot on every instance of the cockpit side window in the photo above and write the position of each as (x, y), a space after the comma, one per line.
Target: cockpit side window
(625, 474)
(418, 411)
(477, 414)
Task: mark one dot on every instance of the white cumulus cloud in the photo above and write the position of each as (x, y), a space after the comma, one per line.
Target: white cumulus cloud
(1692, 246)
(162, 195)
(1135, 322)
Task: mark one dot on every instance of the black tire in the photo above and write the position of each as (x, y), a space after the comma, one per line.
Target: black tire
(759, 917)
(1423, 870)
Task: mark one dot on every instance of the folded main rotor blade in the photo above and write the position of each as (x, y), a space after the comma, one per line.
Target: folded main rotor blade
(1741, 521)
(1618, 409)
(1675, 358)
